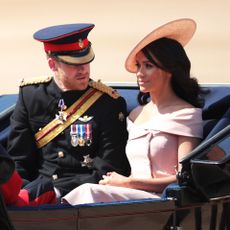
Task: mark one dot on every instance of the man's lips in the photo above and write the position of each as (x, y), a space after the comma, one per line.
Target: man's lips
(81, 78)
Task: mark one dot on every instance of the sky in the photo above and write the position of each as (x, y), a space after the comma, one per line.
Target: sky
(119, 26)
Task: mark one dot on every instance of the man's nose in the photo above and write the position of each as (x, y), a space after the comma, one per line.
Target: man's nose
(80, 67)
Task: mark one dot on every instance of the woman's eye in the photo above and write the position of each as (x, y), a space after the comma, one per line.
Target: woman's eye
(145, 65)
(137, 65)
(149, 65)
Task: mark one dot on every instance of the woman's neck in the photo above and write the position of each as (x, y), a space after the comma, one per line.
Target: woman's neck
(163, 97)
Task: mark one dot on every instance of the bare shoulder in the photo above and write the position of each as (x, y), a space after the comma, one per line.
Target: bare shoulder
(135, 113)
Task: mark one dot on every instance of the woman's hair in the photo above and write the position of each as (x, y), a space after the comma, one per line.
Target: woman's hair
(170, 56)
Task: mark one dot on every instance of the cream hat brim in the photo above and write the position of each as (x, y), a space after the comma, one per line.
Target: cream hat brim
(180, 30)
(77, 60)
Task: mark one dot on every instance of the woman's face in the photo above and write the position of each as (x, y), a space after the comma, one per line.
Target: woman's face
(150, 78)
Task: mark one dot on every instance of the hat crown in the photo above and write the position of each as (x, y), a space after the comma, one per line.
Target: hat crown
(63, 33)
(180, 30)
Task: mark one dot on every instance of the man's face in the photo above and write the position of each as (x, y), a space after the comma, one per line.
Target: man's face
(71, 77)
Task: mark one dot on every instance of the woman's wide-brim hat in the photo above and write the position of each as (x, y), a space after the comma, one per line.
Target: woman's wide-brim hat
(180, 30)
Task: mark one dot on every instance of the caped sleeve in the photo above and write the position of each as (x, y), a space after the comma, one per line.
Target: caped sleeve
(184, 122)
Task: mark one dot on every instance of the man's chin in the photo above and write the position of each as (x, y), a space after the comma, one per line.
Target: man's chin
(80, 86)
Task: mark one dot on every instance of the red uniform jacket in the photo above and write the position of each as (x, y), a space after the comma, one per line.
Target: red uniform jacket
(11, 189)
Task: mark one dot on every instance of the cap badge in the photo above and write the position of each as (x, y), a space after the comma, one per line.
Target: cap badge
(81, 43)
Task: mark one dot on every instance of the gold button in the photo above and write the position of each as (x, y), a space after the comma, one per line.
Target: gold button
(55, 177)
(60, 154)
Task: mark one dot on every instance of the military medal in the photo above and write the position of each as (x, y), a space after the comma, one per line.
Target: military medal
(88, 132)
(73, 134)
(62, 116)
(81, 134)
(87, 162)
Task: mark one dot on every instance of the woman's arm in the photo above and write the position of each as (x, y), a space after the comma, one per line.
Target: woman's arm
(147, 184)
(185, 145)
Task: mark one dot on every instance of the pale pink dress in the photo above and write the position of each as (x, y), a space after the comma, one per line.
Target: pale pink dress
(152, 152)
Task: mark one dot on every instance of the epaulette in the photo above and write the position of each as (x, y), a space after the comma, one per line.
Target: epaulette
(35, 80)
(104, 88)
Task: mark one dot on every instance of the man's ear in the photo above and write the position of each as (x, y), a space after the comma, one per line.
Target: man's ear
(52, 63)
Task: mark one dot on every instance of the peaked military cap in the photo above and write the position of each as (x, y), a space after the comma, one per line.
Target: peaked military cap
(68, 42)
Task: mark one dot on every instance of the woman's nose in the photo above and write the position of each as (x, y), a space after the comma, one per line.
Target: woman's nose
(139, 73)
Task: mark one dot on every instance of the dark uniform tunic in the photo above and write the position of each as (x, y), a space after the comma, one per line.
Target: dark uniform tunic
(59, 160)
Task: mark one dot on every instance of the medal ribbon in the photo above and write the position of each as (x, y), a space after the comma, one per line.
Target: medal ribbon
(73, 130)
(81, 131)
(88, 129)
(54, 128)
(61, 104)
(74, 135)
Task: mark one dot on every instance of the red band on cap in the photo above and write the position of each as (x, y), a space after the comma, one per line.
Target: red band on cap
(80, 44)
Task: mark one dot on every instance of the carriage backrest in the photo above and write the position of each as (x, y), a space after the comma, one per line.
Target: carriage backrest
(217, 103)
(215, 111)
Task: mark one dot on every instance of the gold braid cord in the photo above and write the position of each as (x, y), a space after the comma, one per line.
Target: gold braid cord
(35, 80)
(104, 88)
(55, 127)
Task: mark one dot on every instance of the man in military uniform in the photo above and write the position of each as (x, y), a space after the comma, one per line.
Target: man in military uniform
(67, 129)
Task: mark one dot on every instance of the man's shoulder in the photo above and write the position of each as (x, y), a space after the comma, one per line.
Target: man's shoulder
(35, 80)
(105, 89)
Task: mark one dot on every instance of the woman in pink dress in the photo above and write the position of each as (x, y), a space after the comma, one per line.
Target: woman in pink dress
(164, 128)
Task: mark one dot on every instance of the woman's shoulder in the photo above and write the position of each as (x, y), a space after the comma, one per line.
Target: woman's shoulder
(185, 120)
(135, 112)
(186, 109)
(182, 107)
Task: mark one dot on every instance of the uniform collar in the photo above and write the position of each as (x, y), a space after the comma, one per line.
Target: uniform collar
(69, 96)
